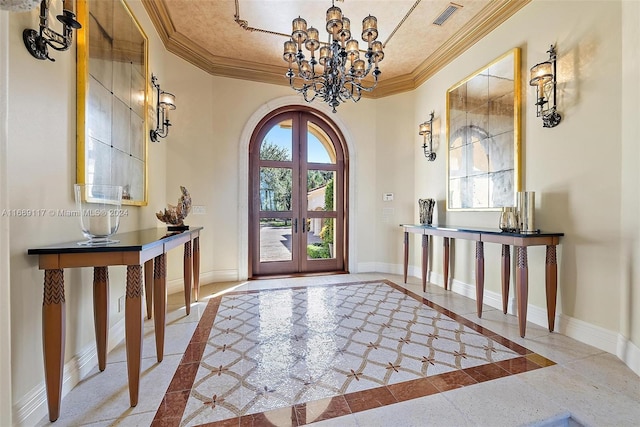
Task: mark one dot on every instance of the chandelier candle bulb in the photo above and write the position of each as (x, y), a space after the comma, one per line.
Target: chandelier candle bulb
(376, 48)
(345, 34)
(313, 41)
(369, 29)
(290, 52)
(352, 49)
(299, 34)
(334, 20)
(325, 54)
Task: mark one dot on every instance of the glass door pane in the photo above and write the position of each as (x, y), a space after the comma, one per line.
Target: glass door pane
(275, 189)
(320, 238)
(320, 190)
(320, 148)
(277, 143)
(276, 239)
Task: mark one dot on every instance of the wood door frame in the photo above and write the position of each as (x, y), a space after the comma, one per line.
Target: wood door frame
(339, 141)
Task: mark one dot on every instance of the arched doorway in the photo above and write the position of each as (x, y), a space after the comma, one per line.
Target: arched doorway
(298, 166)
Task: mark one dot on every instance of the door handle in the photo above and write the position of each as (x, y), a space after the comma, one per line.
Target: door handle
(295, 225)
(304, 223)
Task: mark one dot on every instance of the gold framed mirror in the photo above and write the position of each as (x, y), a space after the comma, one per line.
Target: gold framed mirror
(483, 137)
(112, 99)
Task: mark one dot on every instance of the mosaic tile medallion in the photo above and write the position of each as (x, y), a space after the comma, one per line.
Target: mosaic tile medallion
(297, 355)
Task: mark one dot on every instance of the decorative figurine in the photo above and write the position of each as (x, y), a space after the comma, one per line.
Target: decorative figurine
(174, 215)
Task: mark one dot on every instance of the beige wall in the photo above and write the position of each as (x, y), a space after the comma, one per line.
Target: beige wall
(584, 172)
(395, 151)
(5, 292)
(575, 169)
(630, 191)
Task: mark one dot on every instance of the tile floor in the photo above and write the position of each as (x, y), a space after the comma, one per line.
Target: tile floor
(586, 387)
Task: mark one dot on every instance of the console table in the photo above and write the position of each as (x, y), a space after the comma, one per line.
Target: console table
(134, 249)
(480, 236)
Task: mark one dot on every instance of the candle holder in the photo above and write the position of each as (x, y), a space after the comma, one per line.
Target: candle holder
(99, 211)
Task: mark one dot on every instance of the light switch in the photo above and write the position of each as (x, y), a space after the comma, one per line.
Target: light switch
(387, 197)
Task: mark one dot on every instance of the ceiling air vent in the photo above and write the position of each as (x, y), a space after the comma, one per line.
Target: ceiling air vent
(447, 13)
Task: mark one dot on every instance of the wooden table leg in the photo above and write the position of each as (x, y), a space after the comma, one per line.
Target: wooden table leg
(187, 266)
(160, 302)
(425, 261)
(479, 276)
(101, 313)
(506, 275)
(522, 287)
(551, 283)
(406, 255)
(134, 324)
(148, 286)
(196, 268)
(53, 338)
(445, 262)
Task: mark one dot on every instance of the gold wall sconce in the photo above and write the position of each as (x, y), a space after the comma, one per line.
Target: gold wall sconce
(543, 77)
(165, 101)
(38, 43)
(426, 131)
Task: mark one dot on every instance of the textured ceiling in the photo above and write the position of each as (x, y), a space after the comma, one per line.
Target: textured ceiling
(244, 38)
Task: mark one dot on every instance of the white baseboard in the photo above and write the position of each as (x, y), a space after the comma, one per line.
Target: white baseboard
(177, 285)
(29, 410)
(383, 267)
(587, 333)
(629, 353)
(366, 267)
(490, 298)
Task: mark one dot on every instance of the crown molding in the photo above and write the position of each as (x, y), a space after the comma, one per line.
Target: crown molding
(482, 24)
(160, 18)
(494, 14)
(404, 83)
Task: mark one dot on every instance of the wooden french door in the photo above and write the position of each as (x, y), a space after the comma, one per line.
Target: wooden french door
(297, 195)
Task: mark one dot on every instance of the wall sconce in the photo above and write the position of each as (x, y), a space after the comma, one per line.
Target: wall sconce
(426, 130)
(543, 77)
(165, 101)
(37, 42)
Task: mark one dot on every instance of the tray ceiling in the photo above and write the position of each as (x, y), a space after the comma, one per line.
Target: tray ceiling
(244, 38)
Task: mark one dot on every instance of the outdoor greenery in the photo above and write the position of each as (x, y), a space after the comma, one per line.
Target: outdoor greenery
(327, 230)
(275, 183)
(317, 179)
(318, 250)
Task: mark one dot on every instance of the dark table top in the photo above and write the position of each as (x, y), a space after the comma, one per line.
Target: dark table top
(131, 241)
(482, 230)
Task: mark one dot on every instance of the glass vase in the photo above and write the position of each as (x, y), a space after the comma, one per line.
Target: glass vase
(99, 211)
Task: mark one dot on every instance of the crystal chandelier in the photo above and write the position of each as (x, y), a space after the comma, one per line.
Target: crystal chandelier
(337, 75)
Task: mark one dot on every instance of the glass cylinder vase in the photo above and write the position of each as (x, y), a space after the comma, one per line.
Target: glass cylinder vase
(99, 211)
